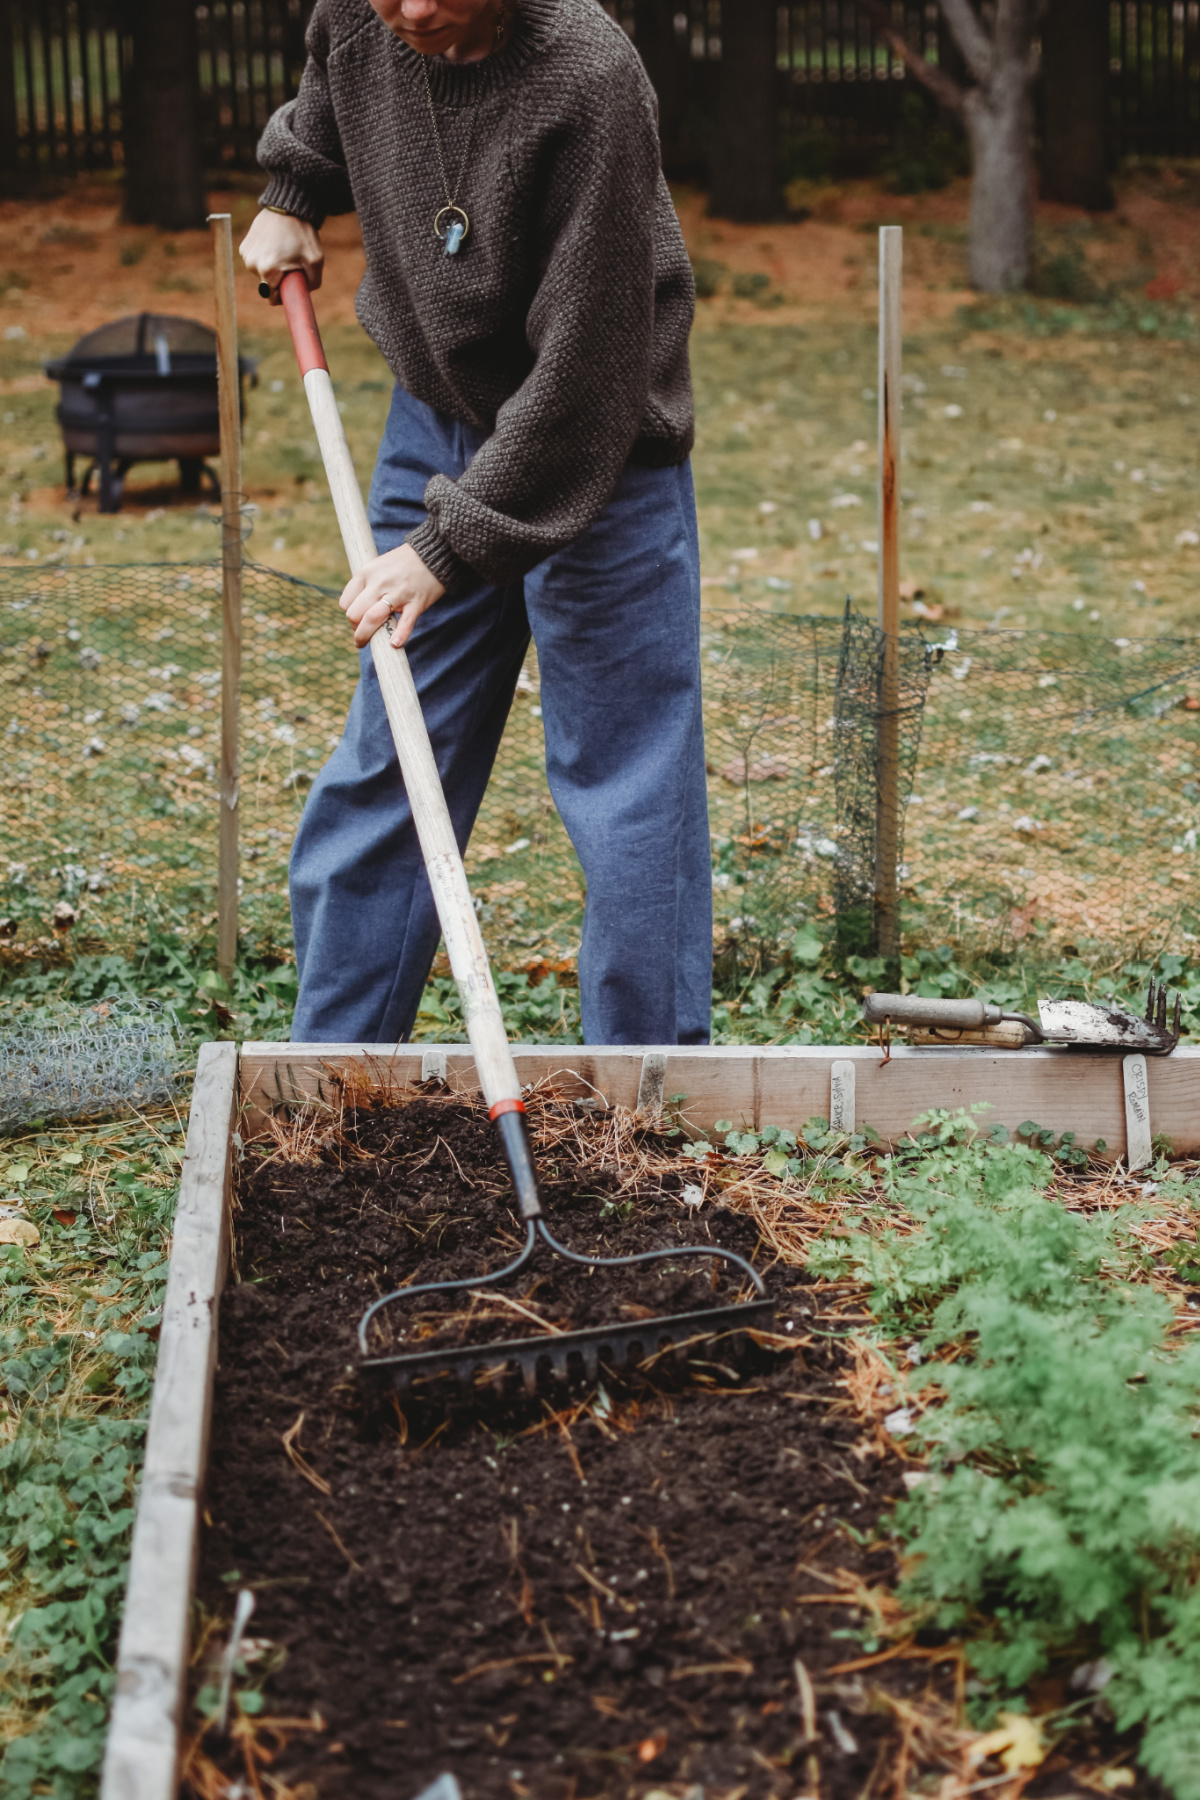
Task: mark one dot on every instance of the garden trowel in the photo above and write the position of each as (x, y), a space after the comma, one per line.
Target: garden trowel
(1075, 1024)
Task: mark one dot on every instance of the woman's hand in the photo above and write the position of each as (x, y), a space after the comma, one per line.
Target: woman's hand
(276, 243)
(397, 582)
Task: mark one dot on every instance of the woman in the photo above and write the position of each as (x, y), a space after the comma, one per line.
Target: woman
(528, 284)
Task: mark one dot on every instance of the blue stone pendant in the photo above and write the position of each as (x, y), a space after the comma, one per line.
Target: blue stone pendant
(456, 231)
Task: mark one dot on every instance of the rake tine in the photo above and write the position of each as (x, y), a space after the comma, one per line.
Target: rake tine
(571, 1353)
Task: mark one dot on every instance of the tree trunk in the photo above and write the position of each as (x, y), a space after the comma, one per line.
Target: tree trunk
(999, 120)
(665, 57)
(164, 181)
(745, 178)
(1075, 75)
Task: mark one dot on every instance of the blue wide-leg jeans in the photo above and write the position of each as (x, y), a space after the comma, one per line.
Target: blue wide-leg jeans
(615, 617)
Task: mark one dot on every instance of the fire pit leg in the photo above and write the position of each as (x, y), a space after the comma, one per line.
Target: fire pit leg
(110, 485)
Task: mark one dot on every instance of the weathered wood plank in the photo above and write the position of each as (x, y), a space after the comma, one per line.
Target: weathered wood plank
(142, 1752)
(1063, 1089)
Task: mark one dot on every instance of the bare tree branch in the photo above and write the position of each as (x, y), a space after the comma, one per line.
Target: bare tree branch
(945, 90)
(970, 36)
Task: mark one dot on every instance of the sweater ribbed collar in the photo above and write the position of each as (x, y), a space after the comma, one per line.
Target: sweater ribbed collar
(533, 26)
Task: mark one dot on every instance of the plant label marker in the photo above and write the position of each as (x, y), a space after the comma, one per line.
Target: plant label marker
(841, 1097)
(1138, 1151)
(651, 1084)
(433, 1065)
(887, 741)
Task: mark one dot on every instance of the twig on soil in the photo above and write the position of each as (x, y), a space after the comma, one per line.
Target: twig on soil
(525, 1311)
(602, 1587)
(290, 1440)
(737, 1665)
(909, 1650)
(656, 1544)
(337, 1540)
(808, 1711)
(557, 1418)
(507, 1662)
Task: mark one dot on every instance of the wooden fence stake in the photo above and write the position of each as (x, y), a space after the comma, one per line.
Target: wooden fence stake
(229, 390)
(887, 741)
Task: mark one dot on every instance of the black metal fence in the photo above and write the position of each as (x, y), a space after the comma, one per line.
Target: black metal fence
(63, 63)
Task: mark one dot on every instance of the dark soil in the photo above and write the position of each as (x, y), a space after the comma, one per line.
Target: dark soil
(597, 1601)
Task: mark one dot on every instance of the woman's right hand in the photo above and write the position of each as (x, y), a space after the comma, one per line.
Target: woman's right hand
(276, 243)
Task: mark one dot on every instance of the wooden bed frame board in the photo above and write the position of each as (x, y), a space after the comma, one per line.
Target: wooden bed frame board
(753, 1087)
(1065, 1090)
(142, 1753)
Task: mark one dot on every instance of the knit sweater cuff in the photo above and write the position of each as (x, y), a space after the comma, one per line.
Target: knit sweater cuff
(439, 558)
(290, 197)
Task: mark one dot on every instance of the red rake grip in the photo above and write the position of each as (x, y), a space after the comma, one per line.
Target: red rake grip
(302, 322)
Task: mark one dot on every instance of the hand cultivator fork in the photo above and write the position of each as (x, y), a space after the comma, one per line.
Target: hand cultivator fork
(565, 1351)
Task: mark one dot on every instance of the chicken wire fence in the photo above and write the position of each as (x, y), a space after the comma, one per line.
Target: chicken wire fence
(74, 1062)
(1051, 780)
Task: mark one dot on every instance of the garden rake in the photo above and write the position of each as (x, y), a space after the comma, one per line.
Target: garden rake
(565, 1353)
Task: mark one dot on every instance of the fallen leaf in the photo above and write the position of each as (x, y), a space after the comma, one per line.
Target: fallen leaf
(64, 1218)
(19, 1231)
(1191, 704)
(1018, 1743)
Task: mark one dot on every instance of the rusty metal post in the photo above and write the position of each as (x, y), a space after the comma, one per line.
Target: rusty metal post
(229, 394)
(887, 740)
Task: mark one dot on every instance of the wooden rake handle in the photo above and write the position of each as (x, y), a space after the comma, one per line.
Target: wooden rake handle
(447, 877)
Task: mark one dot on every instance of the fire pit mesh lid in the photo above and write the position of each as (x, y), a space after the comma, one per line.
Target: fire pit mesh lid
(139, 335)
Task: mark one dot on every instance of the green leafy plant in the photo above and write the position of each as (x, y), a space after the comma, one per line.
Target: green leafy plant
(78, 1321)
(1058, 1524)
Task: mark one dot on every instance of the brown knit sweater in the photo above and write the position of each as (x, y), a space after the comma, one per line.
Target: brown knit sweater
(560, 328)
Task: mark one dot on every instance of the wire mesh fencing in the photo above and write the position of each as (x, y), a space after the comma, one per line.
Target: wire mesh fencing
(79, 1062)
(1057, 800)
(1054, 779)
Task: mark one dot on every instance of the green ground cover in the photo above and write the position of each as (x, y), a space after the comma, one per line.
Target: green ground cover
(79, 1312)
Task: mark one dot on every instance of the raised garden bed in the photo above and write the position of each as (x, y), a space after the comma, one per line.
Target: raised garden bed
(661, 1585)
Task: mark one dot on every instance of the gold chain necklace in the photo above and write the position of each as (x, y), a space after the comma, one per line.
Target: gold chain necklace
(453, 234)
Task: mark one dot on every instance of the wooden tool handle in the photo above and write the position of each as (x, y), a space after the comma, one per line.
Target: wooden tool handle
(915, 1009)
(447, 877)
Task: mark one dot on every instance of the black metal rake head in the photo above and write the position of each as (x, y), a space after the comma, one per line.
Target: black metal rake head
(566, 1357)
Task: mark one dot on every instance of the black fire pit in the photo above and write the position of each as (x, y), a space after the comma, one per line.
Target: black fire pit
(143, 389)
